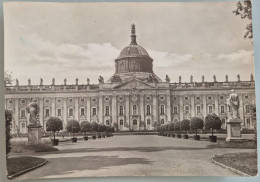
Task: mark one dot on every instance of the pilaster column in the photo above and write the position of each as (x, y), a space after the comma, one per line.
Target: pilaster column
(16, 116)
(64, 112)
(53, 113)
(192, 102)
(155, 108)
(127, 112)
(88, 109)
(204, 106)
(76, 108)
(181, 108)
(142, 106)
(216, 105)
(241, 109)
(168, 108)
(114, 110)
(100, 109)
(41, 111)
(253, 98)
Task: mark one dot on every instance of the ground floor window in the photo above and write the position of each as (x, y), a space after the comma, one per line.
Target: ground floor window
(70, 112)
(135, 122)
(107, 122)
(121, 122)
(148, 121)
(248, 123)
(162, 121)
(59, 112)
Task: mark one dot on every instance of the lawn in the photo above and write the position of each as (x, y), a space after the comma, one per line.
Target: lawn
(244, 162)
(247, 144)
(19, 164)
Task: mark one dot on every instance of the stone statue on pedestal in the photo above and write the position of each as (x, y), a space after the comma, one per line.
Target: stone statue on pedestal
(33, 111)
(233, 105)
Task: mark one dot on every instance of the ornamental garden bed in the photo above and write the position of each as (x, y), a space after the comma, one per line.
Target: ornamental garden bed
(244, 162)
(17, 165)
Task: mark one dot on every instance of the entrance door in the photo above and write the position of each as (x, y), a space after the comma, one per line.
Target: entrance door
(134, 124)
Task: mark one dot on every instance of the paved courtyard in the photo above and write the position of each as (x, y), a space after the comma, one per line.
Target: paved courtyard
(132, 155)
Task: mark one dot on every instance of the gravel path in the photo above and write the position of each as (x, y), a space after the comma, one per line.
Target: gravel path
(132, 155)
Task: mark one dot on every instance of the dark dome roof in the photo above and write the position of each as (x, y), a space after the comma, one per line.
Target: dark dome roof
(133, 50)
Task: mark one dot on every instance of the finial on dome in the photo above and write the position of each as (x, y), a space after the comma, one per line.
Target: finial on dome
(133, 36)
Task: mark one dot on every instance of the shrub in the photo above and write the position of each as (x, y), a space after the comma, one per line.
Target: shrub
(8, 122)
(94, 127)
(54, 124)
(196, 123)
(84, 127)
(212, 121)
(177, 126)
(185, 125)
(171, 127)
(73, 127)
(115, 126)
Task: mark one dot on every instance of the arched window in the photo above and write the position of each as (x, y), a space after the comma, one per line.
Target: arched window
(248, 123)
(107, 122)
(162, 121)
(162, 109)
(148, 110)
(148, 121)
(135, 122)
(107, 110)
(134, 110)
(121, 110)
(121, 122)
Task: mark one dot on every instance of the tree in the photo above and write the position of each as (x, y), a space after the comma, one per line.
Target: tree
(244, 10)
(196, 123)
(84, 127)
(171, 127)
(116, 126)
(73, 127)
(54, 124)
(93, 127)
(177, 126)
(212, 121)
(8, 77)
(185, 125)
(8, 123)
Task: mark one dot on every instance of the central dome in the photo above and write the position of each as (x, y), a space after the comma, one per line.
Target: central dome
(133, 50)
(134, 61)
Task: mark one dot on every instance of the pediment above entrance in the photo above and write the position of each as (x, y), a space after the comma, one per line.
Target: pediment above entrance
(134, 84)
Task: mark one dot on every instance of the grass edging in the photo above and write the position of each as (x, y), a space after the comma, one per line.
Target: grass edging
(230, 168)
(27, 170)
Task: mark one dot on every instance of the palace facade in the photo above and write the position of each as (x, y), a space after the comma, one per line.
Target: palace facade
(134, 97)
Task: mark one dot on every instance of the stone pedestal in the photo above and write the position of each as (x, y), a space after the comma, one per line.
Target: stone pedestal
(234, 130)
(34, 134)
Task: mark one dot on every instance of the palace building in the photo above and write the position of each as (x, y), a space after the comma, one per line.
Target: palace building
(134, 97)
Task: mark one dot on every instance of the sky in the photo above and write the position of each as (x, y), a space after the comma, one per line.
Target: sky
(82, 40)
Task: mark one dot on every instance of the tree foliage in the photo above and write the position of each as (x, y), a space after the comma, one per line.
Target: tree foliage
(244, 10)
(84, 126)
(54, 124)
(177, 126)
(185, 124)
(196, 123)
(73, 126)
(8, 77)
(171, 126)
(212, 121)
(94, 126)
(8, 123)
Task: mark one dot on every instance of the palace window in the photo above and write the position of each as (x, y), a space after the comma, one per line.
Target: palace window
(82, 100)
(59, 112)
(70, 112)
(222, 109)
(23, 125)
(148, 121)
(162, 110)
(135, 122)
(198, 109)
(22, 113)
(121, 122)
(82, 111)
(198, 98)
(210, 109)
(121, 110)
(187, 109)
(148, 110)
(94, 111)
(47, 112)
(134, 110)
(247, 109)
(221, 97)
(107, 111)
(175, 110)
(162, 121)
(246, 97)
(107, 122)
(186, 98)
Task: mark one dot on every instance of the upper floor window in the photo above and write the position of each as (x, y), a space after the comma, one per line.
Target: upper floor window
(187, 109)
(59, 112)
(107, 111)
(198, 109)
(22, 113)
(82, 111)
(94, 111)
(70, 112)
(148, 110)
(162, 110)
(121, 110)
(247, 109)
(175, 110)
(210, 109)
(222, 109)
(134, 109)
(47, 112)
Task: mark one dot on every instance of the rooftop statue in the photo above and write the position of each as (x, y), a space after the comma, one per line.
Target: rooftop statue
(101, 79)
(215, 78)
(53, 81)
(251, 77)
(226, 78)
(203, 78)
(167, 79)
(88, 80)
(238, 78)
(179, 79)
(65, 81)
(77, 81)
(33, 111)
(17, 82)
(29, 82)
(41, 82)
(191, 79)
(233, 105)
